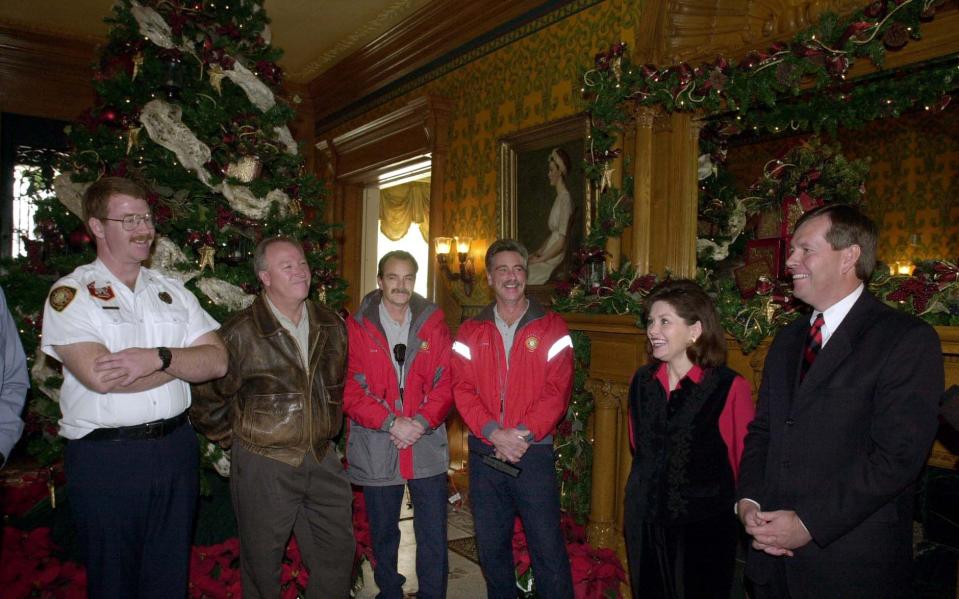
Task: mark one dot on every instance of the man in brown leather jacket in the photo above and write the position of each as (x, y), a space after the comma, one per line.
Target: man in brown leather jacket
(279, 407)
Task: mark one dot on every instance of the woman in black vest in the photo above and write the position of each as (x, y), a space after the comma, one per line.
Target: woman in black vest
(688, 414)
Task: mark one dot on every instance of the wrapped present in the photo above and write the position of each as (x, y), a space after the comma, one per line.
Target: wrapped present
(764, 258)
(793, 208)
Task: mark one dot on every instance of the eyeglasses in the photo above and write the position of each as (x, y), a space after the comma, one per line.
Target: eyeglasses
(132, 221)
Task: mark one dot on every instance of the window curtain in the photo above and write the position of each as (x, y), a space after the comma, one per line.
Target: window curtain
(402, 205)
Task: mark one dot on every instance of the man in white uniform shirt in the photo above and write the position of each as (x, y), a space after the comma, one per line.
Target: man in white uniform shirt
(130, 340)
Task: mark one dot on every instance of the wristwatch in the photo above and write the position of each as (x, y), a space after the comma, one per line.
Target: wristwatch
(166, 356)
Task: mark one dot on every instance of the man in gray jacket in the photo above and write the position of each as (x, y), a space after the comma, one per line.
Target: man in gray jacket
(397, 396)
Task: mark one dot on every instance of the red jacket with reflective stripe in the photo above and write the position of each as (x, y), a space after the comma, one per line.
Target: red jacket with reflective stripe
(532, 393)
(371, 392)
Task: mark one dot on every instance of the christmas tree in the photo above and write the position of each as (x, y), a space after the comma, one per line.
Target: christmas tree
(189, 100)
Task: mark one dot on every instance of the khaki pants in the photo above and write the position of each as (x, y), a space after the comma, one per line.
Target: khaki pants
(314, 501)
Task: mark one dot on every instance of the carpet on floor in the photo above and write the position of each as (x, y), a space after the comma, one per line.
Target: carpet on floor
(465, 547)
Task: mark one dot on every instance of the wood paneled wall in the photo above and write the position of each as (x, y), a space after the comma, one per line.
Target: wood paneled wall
(44, 75)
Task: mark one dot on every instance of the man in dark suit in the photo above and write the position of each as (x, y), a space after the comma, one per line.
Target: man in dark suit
(847, 412)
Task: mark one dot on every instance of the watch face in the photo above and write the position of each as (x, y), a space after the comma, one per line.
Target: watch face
(165, 356)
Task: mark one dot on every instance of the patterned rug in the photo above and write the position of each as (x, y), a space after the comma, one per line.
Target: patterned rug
(465, 547)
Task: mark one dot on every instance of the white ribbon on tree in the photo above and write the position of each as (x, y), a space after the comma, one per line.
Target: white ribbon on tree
(165, 127)
(225, 294)
(166, 255)
(70, 193)
(258, 93)
(243, 201)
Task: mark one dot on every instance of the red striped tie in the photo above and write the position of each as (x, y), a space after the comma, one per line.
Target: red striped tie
(813, 345)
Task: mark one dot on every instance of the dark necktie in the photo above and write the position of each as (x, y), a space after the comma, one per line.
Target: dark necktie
(813, 345)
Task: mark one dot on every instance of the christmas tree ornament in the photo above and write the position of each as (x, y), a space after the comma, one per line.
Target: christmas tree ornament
(80, 239)
(137, 64)
(216, 75)
(246, 169)
(206, 257)
(133, 138)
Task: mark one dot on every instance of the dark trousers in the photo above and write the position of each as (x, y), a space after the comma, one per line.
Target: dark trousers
(133, 503)
(689, 561)
(429, 523)
(314, 501)
(496, 499)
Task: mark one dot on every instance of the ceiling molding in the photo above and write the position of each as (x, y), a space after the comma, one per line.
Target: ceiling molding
(441, 36)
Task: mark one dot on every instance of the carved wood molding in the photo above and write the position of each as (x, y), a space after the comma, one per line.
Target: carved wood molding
(404, 135)
(423, 40)
(696, 31)
(609, 395)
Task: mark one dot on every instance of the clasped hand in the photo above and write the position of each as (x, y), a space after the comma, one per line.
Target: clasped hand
(405, 432)
(777, 533)
(127, 366)
(509, 444)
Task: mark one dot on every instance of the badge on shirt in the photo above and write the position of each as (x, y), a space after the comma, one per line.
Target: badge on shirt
(101, 293)
(532, 343)
(424, 346)
(61, 297)
(165, 297)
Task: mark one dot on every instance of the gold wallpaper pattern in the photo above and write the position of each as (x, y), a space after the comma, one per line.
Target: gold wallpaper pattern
(527, 83)
(911, 185)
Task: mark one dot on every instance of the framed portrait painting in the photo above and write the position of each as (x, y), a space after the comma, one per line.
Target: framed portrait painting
(543, 197)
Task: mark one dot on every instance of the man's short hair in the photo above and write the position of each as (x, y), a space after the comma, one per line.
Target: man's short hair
(96, 199)
(506, 245)
(848, 226)
(259, 254)
(399, 255)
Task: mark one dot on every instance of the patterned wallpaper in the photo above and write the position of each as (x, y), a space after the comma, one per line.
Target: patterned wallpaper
(528, 82)
(911, 189)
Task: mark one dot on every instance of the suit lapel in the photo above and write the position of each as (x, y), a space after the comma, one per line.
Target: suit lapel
(842, 342)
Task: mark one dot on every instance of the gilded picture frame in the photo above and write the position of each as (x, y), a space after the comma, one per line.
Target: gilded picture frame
(526, 194)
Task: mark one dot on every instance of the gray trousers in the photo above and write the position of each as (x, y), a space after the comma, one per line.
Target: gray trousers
(314, 501)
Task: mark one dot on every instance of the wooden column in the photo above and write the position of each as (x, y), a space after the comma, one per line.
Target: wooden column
(684, 203)
(610, 397)
(642, 190)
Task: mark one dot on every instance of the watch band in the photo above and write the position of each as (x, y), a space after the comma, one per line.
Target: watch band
(166, 356)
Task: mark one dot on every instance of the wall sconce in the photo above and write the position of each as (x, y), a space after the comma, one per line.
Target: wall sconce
(904, 267)
(444, 246)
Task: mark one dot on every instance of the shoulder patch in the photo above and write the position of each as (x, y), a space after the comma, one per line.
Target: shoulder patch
(60, 297)
(424, 346)
(532, 343)
(165, 297)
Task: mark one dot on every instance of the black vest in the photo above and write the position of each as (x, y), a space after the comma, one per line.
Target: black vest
(681, 471)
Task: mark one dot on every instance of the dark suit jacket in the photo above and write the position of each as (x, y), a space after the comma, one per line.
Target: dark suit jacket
(844, 448)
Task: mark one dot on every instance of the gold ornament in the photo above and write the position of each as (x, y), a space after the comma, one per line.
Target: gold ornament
(206, 258)
(137, 64)
(607, 178)
(216, 78)
(617, 67)
(133, 138)
(245, 169)
(321, 295)
(294, 206)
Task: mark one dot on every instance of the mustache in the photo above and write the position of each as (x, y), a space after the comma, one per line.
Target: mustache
(400, 292)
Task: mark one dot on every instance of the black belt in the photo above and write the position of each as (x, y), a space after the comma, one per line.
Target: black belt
(151, 430)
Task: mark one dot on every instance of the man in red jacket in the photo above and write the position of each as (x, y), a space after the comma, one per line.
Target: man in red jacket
(512, 377)
(397, 396)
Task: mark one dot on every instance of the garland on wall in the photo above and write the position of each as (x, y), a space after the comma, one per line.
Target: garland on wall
(800, 85)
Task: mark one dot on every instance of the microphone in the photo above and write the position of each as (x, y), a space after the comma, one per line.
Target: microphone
(399, 352)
